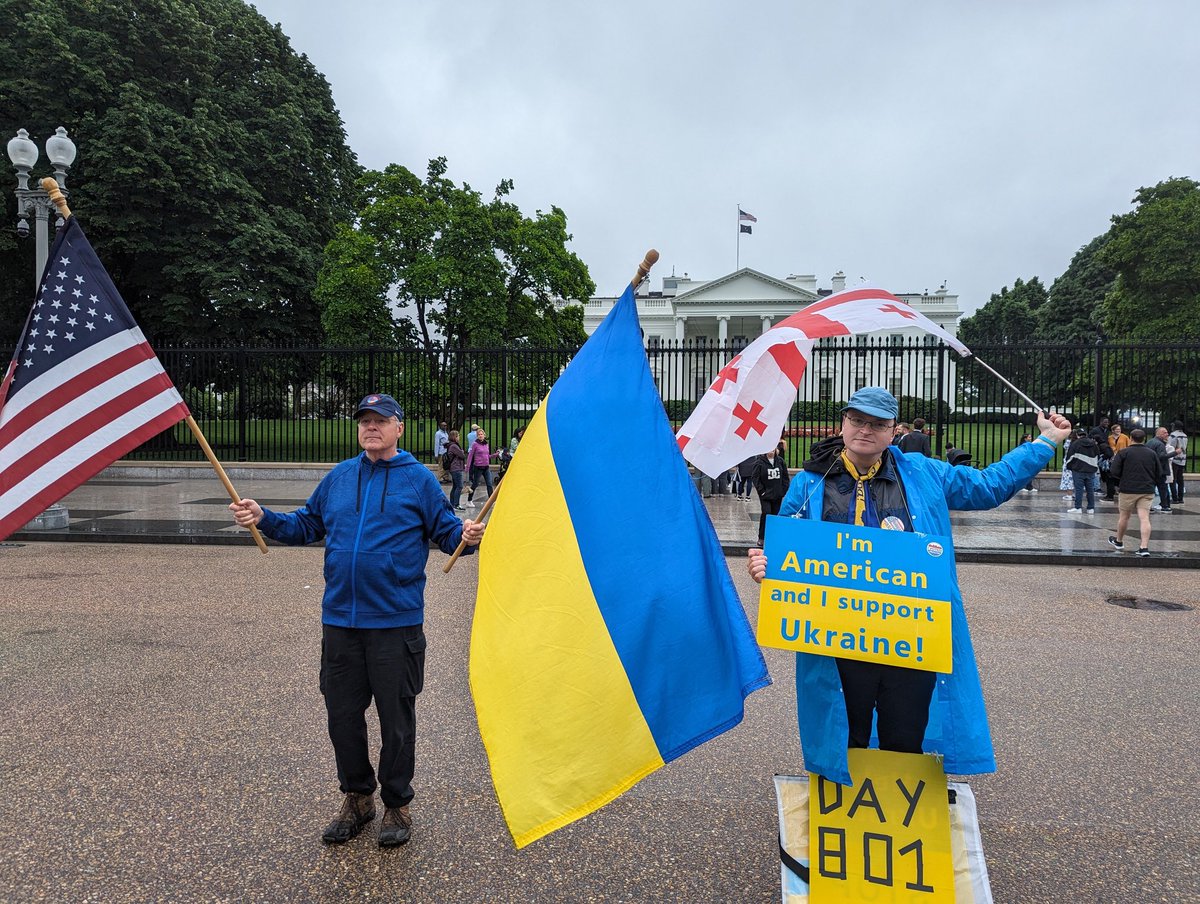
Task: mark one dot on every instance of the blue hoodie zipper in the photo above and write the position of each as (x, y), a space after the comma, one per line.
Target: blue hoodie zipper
(362, 519)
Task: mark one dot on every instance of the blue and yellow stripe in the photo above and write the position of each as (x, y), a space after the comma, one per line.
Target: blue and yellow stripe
(608, 636)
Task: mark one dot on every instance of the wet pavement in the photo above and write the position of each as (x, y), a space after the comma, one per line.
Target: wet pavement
(178, 504)
(165, 741)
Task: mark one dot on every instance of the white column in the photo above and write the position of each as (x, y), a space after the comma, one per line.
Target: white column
(680, 322)
(766, 324)
(722, 330)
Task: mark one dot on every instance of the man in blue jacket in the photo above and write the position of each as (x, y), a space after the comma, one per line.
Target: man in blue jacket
(377, 513)
(858, 478)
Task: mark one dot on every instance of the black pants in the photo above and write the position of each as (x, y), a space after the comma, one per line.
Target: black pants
(1177, 484)
(1164, 493)
(387, 664)
(900, 696)
(769, 507)
(1110, 485)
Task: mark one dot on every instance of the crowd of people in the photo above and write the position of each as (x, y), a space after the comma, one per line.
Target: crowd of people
(456, 464)
(1149, 479)
(1142, 471)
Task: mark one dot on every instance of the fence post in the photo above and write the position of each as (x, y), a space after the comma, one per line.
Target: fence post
(504, 398)
(1098, 388)
(943, 349)
(243, 410)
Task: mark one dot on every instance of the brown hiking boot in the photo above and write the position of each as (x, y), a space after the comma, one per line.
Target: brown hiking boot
(357, 810)
(396, 827)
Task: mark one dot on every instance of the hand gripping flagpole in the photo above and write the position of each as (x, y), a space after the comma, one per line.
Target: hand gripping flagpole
(643, 271)
(50, 186)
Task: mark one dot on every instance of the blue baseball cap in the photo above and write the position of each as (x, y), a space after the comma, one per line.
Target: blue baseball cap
(875, 401)
(380, 404)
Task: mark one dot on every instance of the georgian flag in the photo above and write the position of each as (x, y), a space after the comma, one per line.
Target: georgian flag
(745, 409)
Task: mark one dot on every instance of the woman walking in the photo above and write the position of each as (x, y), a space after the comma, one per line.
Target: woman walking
(454, 461)
(479, 460)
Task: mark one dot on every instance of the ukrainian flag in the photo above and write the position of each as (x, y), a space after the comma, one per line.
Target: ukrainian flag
(608, 637)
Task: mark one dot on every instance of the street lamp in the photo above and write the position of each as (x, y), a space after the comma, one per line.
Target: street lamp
(60, 150)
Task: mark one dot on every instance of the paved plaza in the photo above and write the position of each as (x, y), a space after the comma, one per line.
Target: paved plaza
(165, 738)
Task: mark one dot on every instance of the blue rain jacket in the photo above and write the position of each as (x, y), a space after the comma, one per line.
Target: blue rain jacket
(377, 519)
(958, 726)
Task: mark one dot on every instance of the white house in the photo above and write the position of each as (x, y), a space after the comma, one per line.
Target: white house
(737, 308)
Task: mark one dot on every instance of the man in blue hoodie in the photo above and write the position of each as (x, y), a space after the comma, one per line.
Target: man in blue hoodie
(377, 513)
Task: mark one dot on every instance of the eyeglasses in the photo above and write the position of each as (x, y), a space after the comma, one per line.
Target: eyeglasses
(858, 424)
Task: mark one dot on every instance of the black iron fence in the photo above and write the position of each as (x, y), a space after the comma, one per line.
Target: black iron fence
(293, 404)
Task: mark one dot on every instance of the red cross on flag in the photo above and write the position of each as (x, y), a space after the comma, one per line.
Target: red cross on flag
(745, 409)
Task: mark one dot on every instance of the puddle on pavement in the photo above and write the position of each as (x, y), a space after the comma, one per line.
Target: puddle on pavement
(1141, 602)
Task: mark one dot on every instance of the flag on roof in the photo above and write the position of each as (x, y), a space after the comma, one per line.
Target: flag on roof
(608, 636)
(83, 387)
(747, 217)
(745, 409)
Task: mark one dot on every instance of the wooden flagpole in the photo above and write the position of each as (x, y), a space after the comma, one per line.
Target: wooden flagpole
(212, 460)
(642, 272)
(50, 186)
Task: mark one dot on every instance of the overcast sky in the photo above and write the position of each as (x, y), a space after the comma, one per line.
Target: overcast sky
(908, 143)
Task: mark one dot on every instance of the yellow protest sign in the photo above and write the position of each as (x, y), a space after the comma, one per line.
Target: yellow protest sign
(857, 593)
(886, 838)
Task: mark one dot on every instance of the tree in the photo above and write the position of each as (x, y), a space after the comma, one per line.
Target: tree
(1155, 252)
(455, 269)
(1075, 308)
(212, 164)
(1009, 317)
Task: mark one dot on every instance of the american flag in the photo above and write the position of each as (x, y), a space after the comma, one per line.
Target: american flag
(746, 217)
(82, 389)
(745, 409)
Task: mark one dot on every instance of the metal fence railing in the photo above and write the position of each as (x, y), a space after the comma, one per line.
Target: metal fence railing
(293, 404)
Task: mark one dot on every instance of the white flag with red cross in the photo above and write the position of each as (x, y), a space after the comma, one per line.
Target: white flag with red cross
(745, 409)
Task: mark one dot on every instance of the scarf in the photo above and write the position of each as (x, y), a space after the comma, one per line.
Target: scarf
(864, 512)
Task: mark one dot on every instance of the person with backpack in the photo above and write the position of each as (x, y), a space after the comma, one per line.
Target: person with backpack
(1083, 461)
(454, 460)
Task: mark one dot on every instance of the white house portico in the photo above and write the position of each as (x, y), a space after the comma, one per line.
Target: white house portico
(732, 311)
(743, 305)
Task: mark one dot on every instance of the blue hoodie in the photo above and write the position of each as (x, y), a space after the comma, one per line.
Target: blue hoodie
(377, 519)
